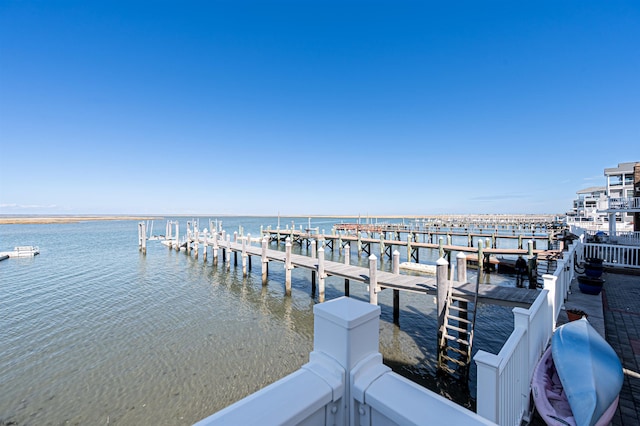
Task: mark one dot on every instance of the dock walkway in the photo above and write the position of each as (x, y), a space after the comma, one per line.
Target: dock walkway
(487, 293)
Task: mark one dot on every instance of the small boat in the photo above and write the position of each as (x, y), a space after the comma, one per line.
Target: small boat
(578, 379)
(22, 251)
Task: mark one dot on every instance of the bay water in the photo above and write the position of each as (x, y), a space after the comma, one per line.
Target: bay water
(94, 332)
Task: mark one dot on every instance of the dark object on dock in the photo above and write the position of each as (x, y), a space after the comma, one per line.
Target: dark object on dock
(589, 285)
(576, 314)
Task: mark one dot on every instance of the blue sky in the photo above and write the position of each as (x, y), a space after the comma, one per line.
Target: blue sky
(313, 107)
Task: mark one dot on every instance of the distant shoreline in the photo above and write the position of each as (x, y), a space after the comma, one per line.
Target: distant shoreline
(27, 219)
(24, 220)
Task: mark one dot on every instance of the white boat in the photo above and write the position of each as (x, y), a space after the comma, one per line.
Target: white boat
(21, 251)
(578, 379)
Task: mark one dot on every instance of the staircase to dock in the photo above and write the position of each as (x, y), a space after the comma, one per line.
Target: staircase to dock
(456, 335)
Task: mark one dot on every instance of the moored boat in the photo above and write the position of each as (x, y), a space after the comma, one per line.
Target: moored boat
(578, 379)
(22, 251)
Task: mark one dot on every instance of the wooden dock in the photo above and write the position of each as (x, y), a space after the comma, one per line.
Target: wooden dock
(483, 253)
(487, 293)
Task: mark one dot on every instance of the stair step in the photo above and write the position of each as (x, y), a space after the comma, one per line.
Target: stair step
(456, 350)
(453, 317)
(446, 368)
(458, 329)
(455, 361)
(458, 308)
(455, 339)
(459, 299)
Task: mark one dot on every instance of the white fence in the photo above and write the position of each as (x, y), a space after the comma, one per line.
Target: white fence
(613, 255)
(504, 380)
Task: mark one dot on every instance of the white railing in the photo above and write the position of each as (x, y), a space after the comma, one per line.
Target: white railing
(629, 238)
(627, 203)
(345, 382)
(504, 380)
(613, 255)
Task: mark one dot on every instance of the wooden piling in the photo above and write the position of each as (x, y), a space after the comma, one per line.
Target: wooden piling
(313, 273)
(347, 261)
(142, 237)
(287, 267)
(461, 267)
(373, 280)
(214, 249)
(442, 284)
(244, 257)
(321, 274)
(265, 261)
(396, 293)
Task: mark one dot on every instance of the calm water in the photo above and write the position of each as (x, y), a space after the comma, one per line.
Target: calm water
(93, 332)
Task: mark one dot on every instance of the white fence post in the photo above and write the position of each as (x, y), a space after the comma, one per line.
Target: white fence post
(552, 298)
(488, 367)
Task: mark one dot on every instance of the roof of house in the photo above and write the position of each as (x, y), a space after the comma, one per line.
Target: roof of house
(622, 168)
(592, 189)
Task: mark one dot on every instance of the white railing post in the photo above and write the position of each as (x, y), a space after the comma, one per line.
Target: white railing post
(552, 298)
(487, 370)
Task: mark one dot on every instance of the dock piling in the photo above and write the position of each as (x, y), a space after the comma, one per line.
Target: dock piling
(396, 293)
(321, 274)
(442, 284)
(265, 262)
(313, 273)
(373, 280)
(347, 261)
(244, 257)
(287, 267)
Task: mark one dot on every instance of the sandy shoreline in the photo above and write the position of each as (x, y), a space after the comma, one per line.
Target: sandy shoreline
(23, 220)
(6, 220)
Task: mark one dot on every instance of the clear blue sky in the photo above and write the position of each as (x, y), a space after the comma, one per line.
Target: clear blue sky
(313, 107)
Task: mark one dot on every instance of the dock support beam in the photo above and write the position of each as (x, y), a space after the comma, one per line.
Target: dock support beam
(142, 237)
(347, 261)
(265, 261)
(313, 273)
(287, 267)
(321, 275)
(244, 257)
(442, 284)
(373, 280)
(396, 293)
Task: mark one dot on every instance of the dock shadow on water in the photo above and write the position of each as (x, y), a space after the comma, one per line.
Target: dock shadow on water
(93, 332)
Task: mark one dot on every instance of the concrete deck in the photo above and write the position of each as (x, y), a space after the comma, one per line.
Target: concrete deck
(621, 306)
